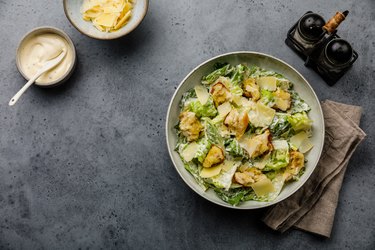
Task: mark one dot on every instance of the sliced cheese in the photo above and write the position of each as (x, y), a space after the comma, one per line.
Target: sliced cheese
(282, 103)
(190, 151)
(280, 144)
(267, 82)
(301, 142)
(202, 94)
(296, 140)
(210, 172)
(262, 162)
(224, 109)
(263, 187)
(107, 15)
(107, 19)
(227, 165)
(305, 146)
(261, 115)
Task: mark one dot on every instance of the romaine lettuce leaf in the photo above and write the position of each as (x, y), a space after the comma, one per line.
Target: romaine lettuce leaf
(234, 196)
(212, 133)
(238, 74)
(190, 94)
(299, 122)
(194, 171)
(267, 97)
(204, 146)
(298, 105)
(233, 148)
(212, 77)
(280, 126)
(206, 110)
(279, 156)
(256, 72)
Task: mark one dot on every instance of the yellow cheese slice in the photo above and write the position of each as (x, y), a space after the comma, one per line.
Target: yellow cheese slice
(261, 115)
(263, 187)
(107, 15)
(106, 19)
(305, 146)
(296, 140)
(262, 162)
(224, 109)
(202, 94)
(190, 151)
(301, 142)
(267, 82)
(227, 165)
(210, 172)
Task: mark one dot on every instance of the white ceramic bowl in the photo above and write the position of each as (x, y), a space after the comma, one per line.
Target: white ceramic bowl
(72, 11)
(264, 61)
(43, 30)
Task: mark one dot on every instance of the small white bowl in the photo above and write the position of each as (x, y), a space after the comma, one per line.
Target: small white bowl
(44, 30)
(72, 10)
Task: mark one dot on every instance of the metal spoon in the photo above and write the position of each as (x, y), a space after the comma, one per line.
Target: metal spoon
(47, 66)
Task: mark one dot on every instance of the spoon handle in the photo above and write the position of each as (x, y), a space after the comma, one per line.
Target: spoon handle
(22, 90)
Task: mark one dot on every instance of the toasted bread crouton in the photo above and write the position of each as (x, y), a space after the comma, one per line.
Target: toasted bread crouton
(251, 89)
(282, 100)
(190, 126)
(237, 122)
(296, 163)
(220, 93)
(214, 156)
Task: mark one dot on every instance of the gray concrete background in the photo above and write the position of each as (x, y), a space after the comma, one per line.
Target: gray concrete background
(86, 165)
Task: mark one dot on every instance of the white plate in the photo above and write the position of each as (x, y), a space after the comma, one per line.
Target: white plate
(267, 62)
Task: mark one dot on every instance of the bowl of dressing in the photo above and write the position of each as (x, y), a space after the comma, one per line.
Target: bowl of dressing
(41, 45)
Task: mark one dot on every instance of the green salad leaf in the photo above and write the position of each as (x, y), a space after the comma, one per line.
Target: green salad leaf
(193, 169)
(280, 126)
(279, 156)
(300, 121)
(298, 105)
(235, 196)
(233, 148)
(206, 110)
(266, 97)
(204, 146)
(212, 77)
(189, 95)
(256, 72)
(212, 133)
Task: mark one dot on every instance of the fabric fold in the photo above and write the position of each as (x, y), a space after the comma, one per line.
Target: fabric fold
(312, 207)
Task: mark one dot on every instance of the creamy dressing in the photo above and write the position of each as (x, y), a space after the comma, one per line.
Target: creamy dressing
(37, 50)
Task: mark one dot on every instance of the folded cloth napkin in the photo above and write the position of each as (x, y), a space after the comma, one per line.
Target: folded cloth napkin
(312, 208)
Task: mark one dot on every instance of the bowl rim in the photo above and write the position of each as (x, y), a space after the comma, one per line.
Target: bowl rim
(138, 22)
(170, 151)
(57, 31)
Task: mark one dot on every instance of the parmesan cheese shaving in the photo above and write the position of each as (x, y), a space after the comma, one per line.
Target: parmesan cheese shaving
(202, 94)
(267, 82)
(107, 15)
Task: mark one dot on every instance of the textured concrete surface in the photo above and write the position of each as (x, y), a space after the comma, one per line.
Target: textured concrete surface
(86, 165)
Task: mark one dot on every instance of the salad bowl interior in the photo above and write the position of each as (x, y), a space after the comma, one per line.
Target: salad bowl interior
(301, 86)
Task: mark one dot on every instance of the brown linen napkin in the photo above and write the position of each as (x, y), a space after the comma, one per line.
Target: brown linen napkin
(312, 208)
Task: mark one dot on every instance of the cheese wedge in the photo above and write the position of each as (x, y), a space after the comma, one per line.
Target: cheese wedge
(267, 82)
(263, 187)
(202, 94)
(210, 172)
(190, 151)
(107, 15)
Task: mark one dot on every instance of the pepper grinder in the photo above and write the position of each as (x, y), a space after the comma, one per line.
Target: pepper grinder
(319, 45)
